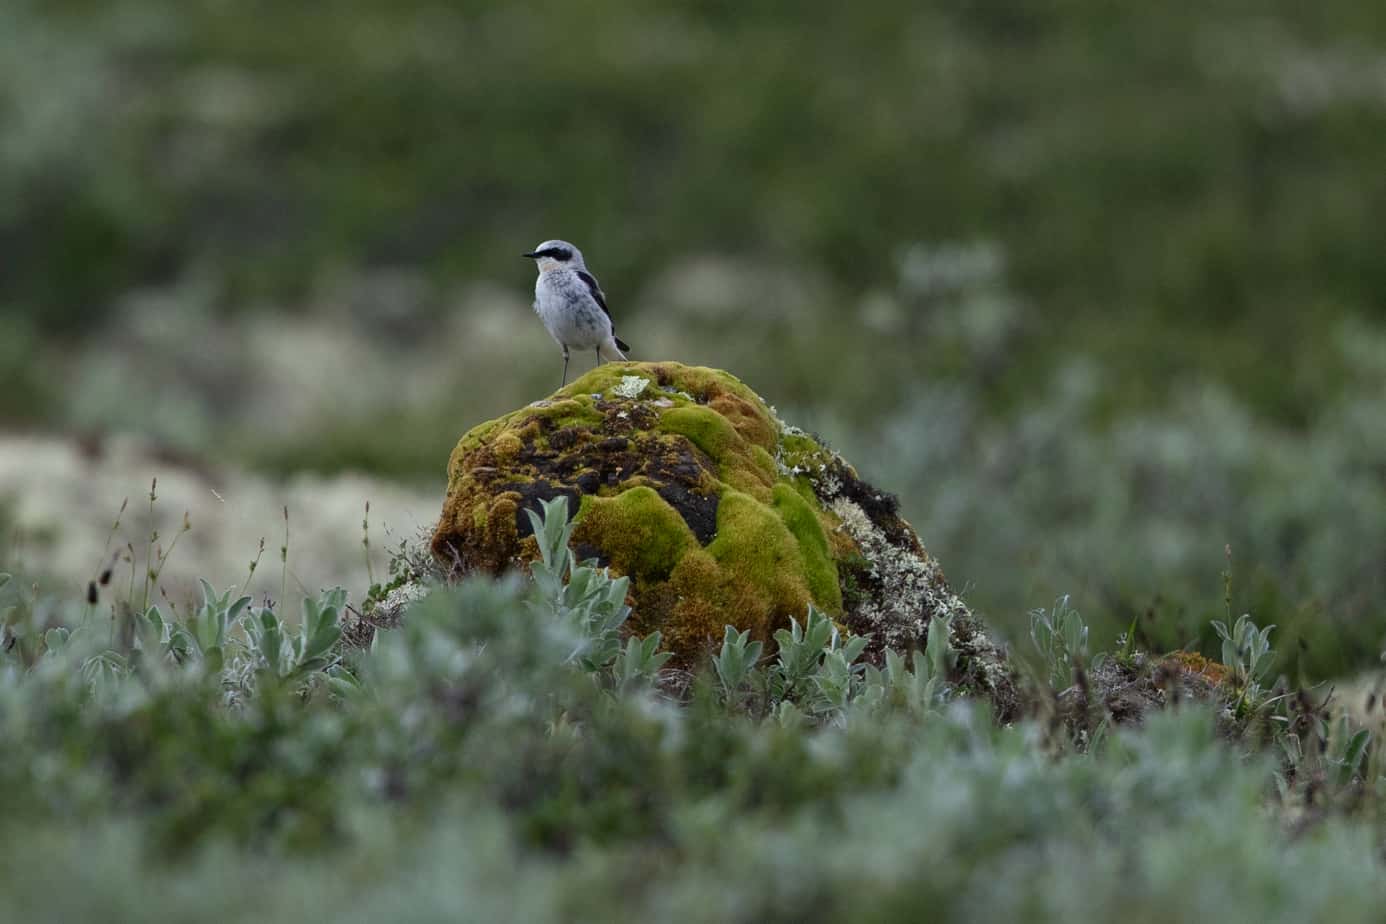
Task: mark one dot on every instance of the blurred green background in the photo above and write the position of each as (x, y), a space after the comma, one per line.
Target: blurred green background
(1097, 290)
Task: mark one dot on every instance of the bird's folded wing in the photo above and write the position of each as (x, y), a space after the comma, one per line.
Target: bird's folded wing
(595, 289)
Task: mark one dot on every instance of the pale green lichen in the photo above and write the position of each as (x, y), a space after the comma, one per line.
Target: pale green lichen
(630, 386)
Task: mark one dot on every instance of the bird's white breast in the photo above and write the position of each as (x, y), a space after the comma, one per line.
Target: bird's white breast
(567, 308)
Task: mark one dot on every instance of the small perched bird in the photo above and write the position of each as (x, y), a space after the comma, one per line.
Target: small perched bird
(571, 304)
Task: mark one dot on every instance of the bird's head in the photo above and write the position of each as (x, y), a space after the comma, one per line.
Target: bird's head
(552, 255)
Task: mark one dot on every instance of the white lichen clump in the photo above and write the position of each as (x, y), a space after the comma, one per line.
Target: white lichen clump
(390, 611)
(899, 616)
(631, 386)
(914, 589)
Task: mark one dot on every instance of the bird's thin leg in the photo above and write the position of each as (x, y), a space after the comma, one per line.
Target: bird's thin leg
(599, 355)
(565, 367)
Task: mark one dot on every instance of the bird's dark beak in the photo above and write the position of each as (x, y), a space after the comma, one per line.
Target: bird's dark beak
(532, 255)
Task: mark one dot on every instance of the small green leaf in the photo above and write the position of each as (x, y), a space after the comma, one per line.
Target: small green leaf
(54, 639)
(1352, 755)
(855, 646)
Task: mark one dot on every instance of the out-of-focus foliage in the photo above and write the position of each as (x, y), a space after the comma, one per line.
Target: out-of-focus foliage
(1148, 172)
(1096, 288)
(1138, 518)
(166, 767)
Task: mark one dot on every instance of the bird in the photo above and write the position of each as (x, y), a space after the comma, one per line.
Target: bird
(572, 305)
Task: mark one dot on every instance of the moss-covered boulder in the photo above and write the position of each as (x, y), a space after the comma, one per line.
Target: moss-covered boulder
(683, 479)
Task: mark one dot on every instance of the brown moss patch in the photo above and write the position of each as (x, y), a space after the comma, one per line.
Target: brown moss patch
(1191, 662)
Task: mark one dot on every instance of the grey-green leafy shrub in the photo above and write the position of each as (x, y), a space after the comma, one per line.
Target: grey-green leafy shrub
(1333, 752)
(814, 661)
(293, 653)
(1246, 649)
(1348, 751)
(735, 664)
(476, 764)
(203, 635)
(815, 672)
(1061, 637)
(638, 664)
(589, 602)
(1130, 511)
(916, 691)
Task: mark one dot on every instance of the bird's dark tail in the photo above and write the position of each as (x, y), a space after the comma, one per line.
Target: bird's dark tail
(621, 343)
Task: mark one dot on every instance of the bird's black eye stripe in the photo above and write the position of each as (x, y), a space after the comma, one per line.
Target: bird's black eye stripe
(557, 253)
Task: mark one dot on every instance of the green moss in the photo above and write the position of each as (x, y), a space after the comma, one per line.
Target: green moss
(754, 546)
(751, 574)
(580, 411)
(853, 593)
(601, 380)
(702, 382)
(706, 429)
(803, 455)
(799, 450)
(479, 434)
(749, 529)
(507, 446)
(804, 488)
(802, 521)
(642, 536)
(773, 550)
(765, 462)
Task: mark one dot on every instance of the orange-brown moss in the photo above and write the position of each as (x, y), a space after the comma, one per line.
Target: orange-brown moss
(748, 418)
(1191, 662)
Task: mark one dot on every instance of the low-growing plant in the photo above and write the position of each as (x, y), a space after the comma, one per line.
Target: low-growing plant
(589, 603)
(508, 720)
(1328, 761)
(735, 665)
(203, 635)
(472, 718)
(1246, 650)
(917, 691)
(291, 654)
(638, 664)
(1060, 636)
(7, 607)
(801, 652)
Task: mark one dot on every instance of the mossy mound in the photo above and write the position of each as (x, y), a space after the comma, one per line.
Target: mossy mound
(683, 479)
